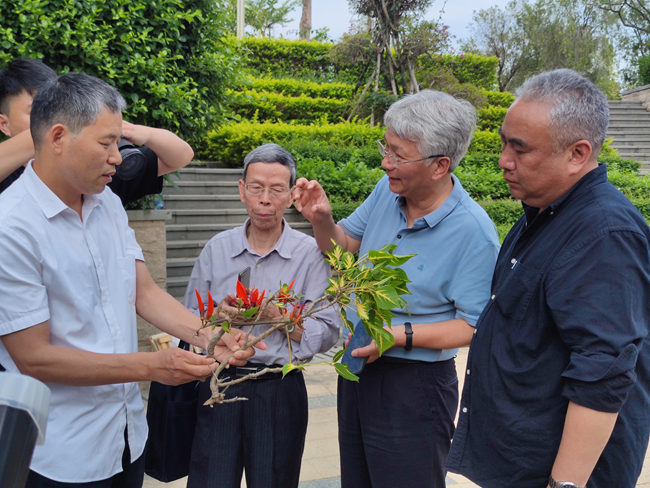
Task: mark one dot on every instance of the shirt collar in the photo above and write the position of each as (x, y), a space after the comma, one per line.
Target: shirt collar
(598, 175)
(50, 204)
(282, 247)
(443, 210)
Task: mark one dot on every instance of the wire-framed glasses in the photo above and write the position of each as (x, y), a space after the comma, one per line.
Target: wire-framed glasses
(274, 191)
(394, 161)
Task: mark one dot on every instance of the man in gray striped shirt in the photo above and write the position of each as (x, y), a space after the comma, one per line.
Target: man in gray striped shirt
(265, 435)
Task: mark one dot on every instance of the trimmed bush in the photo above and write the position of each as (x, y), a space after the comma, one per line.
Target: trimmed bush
(485, 142)
(504, 211)
(369, 155)
(500, 99)
(480, 71)
(230, 143)
(274, 106)
(482, 182)
(168, 58)
(296, 88)
(491, 118)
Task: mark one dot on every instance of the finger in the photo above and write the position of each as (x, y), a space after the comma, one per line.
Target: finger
(231, 342)
(364, 352)
(347, 341)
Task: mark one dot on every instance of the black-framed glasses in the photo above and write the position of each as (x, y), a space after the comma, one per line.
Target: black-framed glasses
(394, 160)
(274, 191)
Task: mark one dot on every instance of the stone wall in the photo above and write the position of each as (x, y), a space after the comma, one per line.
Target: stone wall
(641, 94)
(150, 232)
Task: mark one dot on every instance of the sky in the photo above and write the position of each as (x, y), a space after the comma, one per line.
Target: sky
(335, 15)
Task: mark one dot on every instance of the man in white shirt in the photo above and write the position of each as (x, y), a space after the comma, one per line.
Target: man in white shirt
(72, 277)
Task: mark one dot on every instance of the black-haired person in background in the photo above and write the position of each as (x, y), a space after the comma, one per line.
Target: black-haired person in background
(164, 152)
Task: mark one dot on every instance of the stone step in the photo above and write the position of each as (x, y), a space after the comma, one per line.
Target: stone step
(628, 132)
(177, 286)
(210, 174)
(186, 202)
(621, 124)
(640, 109)
(204, 188)
(622, 102)
(632, 146)
(632, 116)
(206, 164)
(235, 216)
(177, 267)
(197, 232)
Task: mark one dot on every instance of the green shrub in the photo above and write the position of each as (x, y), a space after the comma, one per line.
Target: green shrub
(482, 183)
(342, 209)
(308, 150)
(274, 106)
(504, 211)
(500, 99)
(491, 118)
(295, 88)
(644, 70)
(480, 71)
(630, 184)
(230, 143)
(485, 142)
(168, 58)
(488, 160)
(620, 164)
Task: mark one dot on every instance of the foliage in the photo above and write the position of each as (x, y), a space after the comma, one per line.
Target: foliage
(230, 143)
(620, 164)
(274, 106)
(482, 182)
(168, 58)
(644, 70)
(491, 118)
(368, 155)
(443, 80)
(529, 38)
(296, 88)
(373, 284)
(485, 142)
(505, 211)
(500, 99)
(262, 16)
(473, 69)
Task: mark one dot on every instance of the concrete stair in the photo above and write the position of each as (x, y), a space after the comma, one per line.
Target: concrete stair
(206, 203)
(629, 125)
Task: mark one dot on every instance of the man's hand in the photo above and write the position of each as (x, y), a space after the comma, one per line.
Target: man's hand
(175, 366)
(310, 199)
(233, 342)
(136, 134)
(228, 309)
(371, 351)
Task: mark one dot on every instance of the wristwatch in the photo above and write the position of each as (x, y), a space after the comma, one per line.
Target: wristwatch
(408, 330)
(561, 484)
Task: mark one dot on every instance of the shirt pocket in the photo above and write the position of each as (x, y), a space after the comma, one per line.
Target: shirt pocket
(517, 290)
(127, 268)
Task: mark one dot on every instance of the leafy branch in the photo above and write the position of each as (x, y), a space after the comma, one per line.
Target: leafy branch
(372, 285)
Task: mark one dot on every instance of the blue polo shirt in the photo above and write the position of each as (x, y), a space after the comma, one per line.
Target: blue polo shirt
(568, 320)
(456, 246)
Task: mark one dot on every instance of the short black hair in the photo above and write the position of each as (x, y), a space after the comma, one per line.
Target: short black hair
(27, 75)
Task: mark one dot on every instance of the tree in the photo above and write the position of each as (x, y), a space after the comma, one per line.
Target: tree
(529, 38)
(305, 20)
(264, 16)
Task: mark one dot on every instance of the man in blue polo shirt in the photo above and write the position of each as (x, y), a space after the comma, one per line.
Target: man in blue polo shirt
(396, 423)
(559, 390)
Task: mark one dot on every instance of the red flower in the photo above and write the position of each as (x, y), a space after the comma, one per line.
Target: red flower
(254, 299)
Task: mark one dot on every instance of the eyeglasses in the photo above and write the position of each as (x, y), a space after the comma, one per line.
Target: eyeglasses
(274, 191)
(393, 159)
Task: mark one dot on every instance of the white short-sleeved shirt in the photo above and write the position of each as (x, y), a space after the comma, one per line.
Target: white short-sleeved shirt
(79, 275)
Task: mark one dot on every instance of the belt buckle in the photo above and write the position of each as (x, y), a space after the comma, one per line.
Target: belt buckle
(242, 371)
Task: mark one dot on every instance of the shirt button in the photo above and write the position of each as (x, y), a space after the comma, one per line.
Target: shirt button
(259, 266)
(399, 236)
(513, 260)
(551, 213)
(492, 297)
(464, 409)
(468, 372)
(475, 331)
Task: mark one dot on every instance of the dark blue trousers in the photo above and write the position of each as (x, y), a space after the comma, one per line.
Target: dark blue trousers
(396, 424)
(132, 475)
(263, 436)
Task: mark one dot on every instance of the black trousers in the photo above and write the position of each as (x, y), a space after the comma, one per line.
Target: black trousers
(132, 475)
(264, 436)
(396, 424)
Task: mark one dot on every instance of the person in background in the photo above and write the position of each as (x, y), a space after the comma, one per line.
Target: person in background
(557, 390)
(264, 436)
(396, 423)
(164, 152)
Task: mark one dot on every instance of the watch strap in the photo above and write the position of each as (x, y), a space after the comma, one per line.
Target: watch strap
(561, 484)
(408, 330)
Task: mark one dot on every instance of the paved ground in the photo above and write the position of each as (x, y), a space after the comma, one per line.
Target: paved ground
(320, 463)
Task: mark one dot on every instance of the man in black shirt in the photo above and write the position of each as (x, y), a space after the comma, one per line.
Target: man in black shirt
(557, 387)
(164, 151)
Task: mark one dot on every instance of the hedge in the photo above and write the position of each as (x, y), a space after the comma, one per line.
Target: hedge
(500, 99)
(295, 88)
(274, 106)
(167, 58)
(491, 118)
(480, 71)
(230, 143)
(485, 142)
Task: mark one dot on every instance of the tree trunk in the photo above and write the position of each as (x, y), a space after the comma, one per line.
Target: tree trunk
(305, 20)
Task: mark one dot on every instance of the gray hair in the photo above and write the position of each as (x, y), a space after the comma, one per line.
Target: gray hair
(271, 153)
(436, 122)
(578, 110)
(74, 100)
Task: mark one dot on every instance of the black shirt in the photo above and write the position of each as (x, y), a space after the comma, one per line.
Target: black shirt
(147, 182)
(567, 321)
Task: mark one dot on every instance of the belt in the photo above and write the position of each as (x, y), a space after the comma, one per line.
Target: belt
(395, 360)
(241, 371)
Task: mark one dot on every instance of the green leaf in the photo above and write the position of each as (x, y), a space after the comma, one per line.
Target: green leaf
(247, 314)
(344, 372)
(225, 326)
(348, 260)
(339, 355)
(382, 338)
(386, 297)
(362, 310)
(290, 367)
